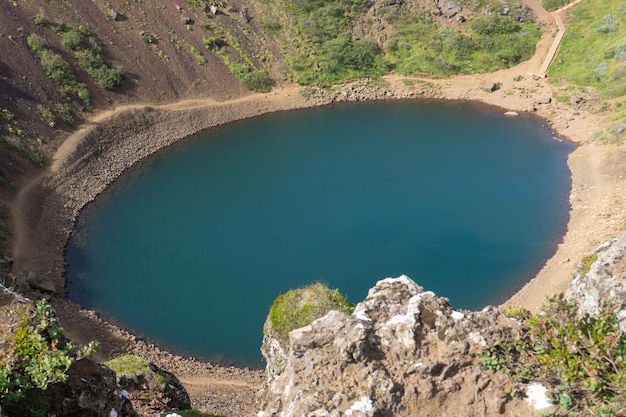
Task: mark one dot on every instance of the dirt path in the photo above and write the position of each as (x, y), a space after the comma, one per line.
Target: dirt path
(558, 17)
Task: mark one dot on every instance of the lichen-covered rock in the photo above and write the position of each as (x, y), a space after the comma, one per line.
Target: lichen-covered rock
(90, 391)
(604, 280)
(403, 352)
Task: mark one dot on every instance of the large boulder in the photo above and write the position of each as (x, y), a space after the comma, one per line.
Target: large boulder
(402, 352)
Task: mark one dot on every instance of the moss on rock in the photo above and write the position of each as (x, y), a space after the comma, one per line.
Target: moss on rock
(298, 308)
(146, 380)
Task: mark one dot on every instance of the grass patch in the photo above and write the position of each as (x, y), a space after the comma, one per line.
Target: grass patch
(300, 307)
(587, 261)
(421, 46)
(593, 52)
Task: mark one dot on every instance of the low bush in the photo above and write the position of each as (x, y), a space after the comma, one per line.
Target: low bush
(259, 81)
(583, 358)
(34, 355)
(551, 5)
(64, 111)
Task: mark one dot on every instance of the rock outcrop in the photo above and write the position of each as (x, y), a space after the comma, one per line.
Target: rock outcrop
(605, 280)
(403, 352)
(152, 390)
(90, 391)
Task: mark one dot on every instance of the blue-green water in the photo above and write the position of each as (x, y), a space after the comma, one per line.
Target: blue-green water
(191, 248)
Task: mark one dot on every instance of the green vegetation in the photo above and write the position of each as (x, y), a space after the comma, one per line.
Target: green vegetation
(299, 308)
(593, 52)
(46, 113)
(64, 111)
(201, 59)
(257, 80)
(34, 355)
(551, 5)
(88, 51)
(515, 312)
(583, 357)
(420, 45)
(319, 43)
(4, 230)
(587, 261)
(57, 68)
(135, 368)
(29, 152)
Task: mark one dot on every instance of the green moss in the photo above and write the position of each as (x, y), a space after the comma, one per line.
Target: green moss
(134, 368)
(300, 307)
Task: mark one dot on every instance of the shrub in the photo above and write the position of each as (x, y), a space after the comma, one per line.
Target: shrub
(583, 358)
(272, 26)
(64, 111)
(35, 42)
(258, 81)
(34, 355)
(201, 59)
(608, 25)
(56, 67)
(46, 113)
(40, 19)
(214, 43)
(551, 5)
(587, 261)
(299, 308)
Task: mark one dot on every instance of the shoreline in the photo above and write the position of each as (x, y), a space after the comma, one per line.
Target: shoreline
(111, 142)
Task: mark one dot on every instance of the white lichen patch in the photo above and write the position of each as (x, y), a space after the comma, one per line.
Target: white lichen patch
(457, 315)
(363, 407)
(536, 396)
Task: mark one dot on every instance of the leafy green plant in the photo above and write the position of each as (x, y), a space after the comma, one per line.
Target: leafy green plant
(516, 312)
(34, 355)
(583, 358)
(587, 261)
(201, 59)
(46, 113)
(64, 111)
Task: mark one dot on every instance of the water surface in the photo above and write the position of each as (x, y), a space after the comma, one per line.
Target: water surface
(191, 247)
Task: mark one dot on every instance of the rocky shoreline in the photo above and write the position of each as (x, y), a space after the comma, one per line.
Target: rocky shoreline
(92, 158)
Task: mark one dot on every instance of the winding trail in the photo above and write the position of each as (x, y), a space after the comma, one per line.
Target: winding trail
(558, 18)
